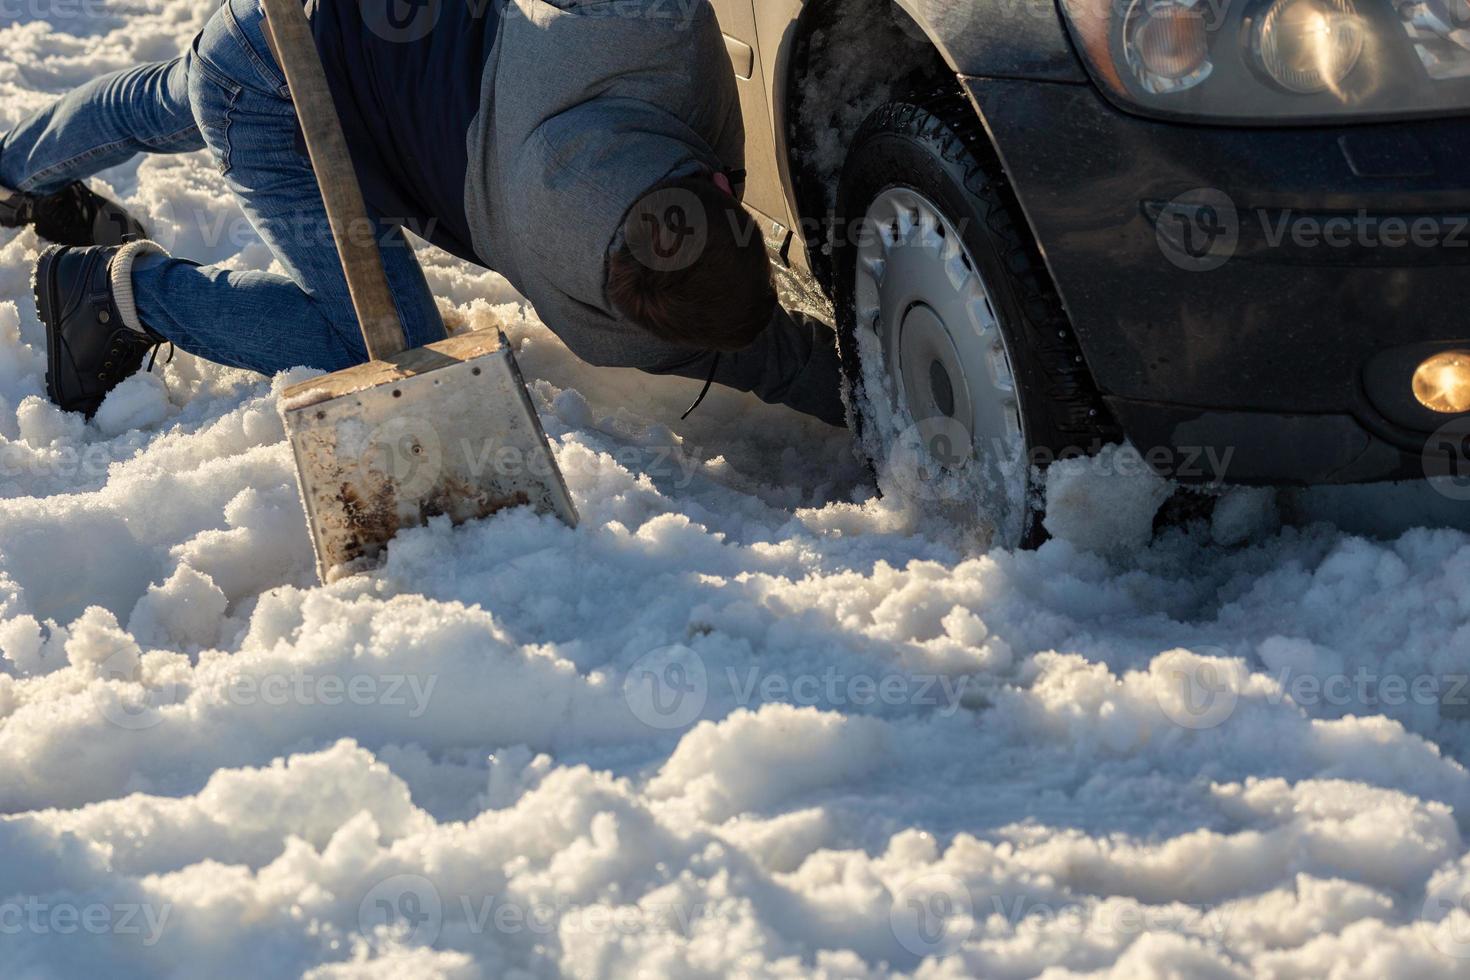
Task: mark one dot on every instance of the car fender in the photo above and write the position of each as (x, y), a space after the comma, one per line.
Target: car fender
(999, 38)
(1012, 39)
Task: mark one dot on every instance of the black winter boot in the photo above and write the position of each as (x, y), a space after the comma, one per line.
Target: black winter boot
(74, 215)
(94, 339)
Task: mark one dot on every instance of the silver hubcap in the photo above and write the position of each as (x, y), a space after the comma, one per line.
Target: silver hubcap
(921, 294)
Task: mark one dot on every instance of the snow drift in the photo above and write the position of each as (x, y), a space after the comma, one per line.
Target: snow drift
(747, 719)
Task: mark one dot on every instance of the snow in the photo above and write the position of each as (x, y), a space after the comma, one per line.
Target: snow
(747, 719)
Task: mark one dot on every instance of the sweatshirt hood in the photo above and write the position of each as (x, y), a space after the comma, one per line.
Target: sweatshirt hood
(583, 172)
(585, 106)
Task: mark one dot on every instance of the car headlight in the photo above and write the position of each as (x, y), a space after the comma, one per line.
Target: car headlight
(1277, 60)
(1309, 45)
(1440, 33)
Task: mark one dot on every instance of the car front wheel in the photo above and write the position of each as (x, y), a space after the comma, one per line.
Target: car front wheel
(963, 370)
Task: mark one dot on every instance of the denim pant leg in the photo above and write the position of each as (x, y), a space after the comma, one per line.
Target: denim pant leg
(259, 320)
(103, 123)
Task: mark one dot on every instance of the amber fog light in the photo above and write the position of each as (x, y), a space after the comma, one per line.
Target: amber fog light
(1442, 382)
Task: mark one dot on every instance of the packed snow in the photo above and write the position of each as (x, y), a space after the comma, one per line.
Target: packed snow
(748, 719)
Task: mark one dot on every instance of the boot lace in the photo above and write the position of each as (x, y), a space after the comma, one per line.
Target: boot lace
(153, 353)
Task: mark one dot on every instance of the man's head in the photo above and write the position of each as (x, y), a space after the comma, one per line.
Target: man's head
(692, 269)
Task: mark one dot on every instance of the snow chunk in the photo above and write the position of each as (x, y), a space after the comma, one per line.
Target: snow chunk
(754, 759)
(185, 611)
(140, 402)
(1105, 503)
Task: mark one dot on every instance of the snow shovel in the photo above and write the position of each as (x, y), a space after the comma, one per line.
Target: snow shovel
(446, 429)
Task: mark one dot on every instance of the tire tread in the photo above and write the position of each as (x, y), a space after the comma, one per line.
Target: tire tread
(945, 120)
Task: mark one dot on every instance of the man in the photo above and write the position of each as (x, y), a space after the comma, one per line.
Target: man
(583, 150)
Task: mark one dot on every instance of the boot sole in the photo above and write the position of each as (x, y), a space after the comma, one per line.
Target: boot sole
(42, 288)
(48, 306)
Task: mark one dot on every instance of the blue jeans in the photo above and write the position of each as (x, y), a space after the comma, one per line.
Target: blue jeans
(226, 93)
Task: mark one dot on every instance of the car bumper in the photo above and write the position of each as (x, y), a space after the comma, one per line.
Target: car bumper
(1257, 296)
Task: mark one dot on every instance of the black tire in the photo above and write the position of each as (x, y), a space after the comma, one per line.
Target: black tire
(934, 145)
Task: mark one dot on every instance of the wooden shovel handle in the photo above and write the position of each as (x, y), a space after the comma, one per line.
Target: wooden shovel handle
(355, 235)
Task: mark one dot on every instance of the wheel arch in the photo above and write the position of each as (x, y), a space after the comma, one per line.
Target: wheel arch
(822, 88)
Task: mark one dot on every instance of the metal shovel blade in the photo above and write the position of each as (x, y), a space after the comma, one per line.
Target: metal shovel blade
(444, 429)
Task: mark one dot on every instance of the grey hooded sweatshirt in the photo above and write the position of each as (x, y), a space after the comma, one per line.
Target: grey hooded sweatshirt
(518, 133)
(583, 107)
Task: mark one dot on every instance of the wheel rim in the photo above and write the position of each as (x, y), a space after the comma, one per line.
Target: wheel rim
(918, 290)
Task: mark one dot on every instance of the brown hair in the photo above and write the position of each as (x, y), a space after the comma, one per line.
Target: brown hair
(692, 268)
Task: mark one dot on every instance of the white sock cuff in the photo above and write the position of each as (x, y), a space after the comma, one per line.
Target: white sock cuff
(121, 274)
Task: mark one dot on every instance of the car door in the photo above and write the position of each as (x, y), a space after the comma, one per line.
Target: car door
(764, 192)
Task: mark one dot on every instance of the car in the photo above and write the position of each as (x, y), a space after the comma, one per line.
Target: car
(1231, 232)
